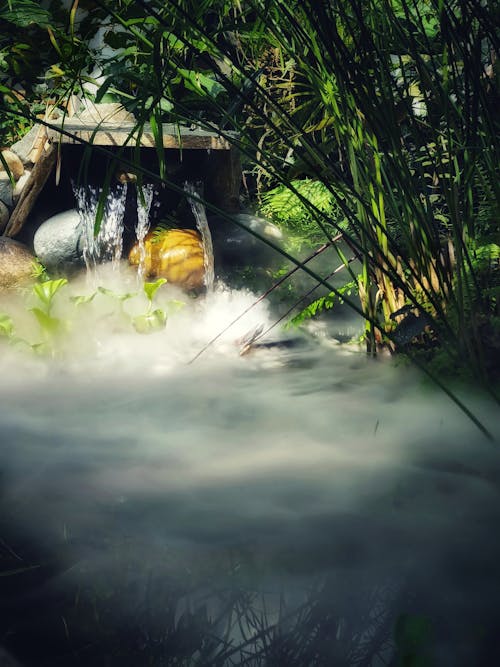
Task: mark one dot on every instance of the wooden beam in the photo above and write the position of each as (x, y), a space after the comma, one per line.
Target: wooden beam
(126, 133)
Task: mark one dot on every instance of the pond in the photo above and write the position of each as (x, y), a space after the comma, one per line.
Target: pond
(298, 505)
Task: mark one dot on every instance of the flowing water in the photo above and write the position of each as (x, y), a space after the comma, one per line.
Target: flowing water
(107, 244)
(200, 217)
(301, 505)
(144, 204)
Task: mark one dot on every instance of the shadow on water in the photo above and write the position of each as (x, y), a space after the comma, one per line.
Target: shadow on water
(296, 506)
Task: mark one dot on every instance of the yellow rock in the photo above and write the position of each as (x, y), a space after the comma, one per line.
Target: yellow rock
(15, 165)
(174, 254)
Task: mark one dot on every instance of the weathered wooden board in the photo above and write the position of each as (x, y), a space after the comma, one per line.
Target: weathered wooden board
(36, 181)
(125, 133)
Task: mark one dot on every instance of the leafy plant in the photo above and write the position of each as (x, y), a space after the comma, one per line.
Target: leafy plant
(153, 319)
(289, 209)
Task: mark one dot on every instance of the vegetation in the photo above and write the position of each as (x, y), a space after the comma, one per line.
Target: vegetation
(371, 119)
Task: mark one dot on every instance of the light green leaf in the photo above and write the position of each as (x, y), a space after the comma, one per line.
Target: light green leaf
(49, 324)
(150, 289)
(115, 295)
(150, 322)
(6, 325)
(82, 299)
(45, 291)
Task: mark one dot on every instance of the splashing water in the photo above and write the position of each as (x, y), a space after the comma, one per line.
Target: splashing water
(107, 245)
(144, 203)
(202, 225)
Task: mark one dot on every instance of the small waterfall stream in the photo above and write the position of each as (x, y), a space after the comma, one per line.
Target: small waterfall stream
(144, 203)
(107, 245)
(200, 217)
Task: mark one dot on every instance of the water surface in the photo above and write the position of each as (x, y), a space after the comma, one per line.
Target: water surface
(291, 506)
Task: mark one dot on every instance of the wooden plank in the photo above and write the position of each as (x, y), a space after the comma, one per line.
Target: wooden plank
(125, 133)
(34, 185)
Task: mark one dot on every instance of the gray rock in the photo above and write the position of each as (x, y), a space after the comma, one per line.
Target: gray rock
(16, 263)
(58, 242)
(24, 147)
(5, 189)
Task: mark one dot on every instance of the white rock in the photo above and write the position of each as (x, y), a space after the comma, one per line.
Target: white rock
(20, 185)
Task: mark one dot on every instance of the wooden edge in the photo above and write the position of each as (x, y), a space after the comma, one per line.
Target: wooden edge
(112, 134)
(34, 185)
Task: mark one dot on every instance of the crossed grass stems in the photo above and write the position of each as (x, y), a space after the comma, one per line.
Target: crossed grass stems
(391, 172)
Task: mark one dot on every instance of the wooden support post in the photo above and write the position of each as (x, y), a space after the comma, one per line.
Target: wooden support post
(223, 180)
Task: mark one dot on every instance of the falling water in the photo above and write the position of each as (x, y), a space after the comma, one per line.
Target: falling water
(142, 227)
(202, 224)
(107, 245)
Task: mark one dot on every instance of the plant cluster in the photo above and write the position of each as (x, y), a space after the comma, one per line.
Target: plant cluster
(45, 297)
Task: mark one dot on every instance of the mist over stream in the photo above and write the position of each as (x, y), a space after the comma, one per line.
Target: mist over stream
(145, 498)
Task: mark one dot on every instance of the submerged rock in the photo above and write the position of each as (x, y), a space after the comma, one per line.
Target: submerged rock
(16, 263)
(235, 245)
(174, 254)
(58, 242)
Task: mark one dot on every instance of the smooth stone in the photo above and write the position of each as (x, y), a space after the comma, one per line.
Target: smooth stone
(15, 165)
(16, 263)
(174, 254)
(58, 242)
(6, 189)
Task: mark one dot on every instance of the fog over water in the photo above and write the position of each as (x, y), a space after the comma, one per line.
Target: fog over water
(151, 481)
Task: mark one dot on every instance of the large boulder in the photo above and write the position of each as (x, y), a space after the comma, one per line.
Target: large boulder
(17, 263)
(59, 241)
(174, 254)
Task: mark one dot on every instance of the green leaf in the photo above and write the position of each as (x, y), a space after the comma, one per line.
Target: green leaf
(50, 324)
(45, 291)
(24, 13)
(200, 83)
(82, 299)
(175, 305)
(150, 322)
(115, 295)
(6, 325)
(150, 289)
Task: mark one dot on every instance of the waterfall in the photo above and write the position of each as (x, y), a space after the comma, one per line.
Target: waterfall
(107, 245)
(200, 217)
(142, 227)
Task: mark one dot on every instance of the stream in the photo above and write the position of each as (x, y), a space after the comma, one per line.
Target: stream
(298, 505)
